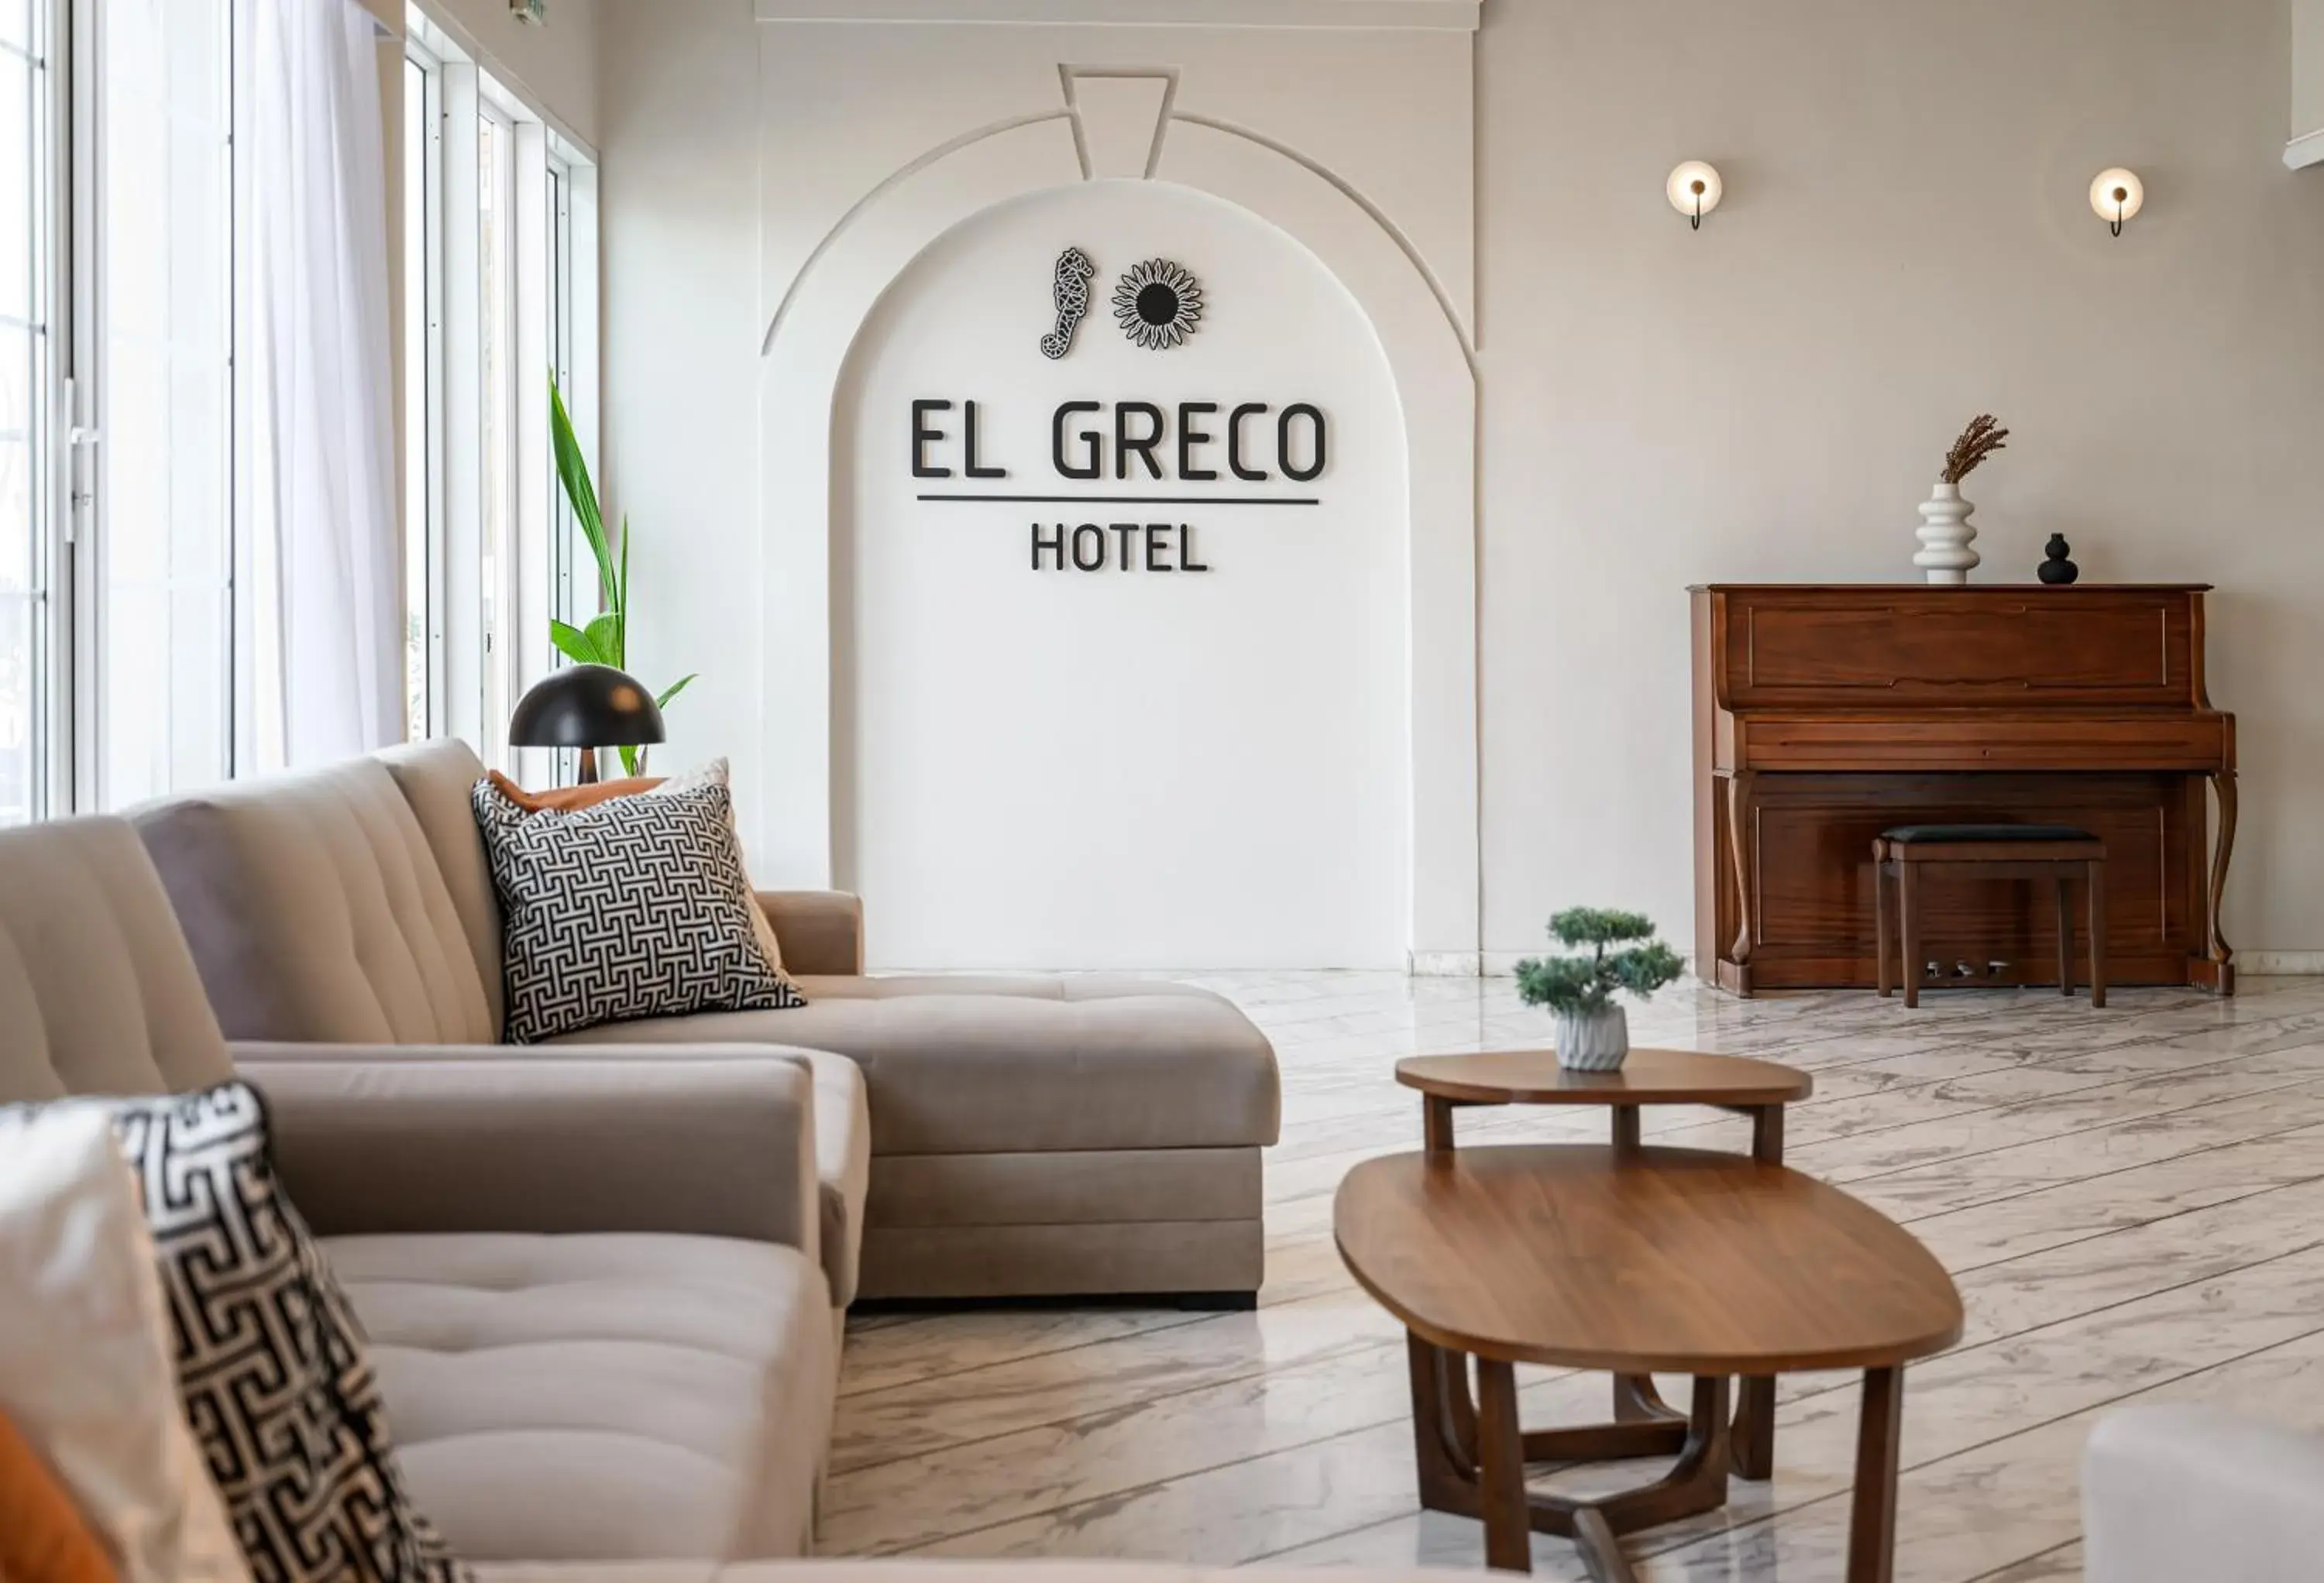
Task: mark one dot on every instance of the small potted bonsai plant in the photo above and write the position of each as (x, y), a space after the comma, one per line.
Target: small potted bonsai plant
(1593, 1032)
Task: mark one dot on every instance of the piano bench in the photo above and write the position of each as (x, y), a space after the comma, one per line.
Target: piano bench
(2057, 853)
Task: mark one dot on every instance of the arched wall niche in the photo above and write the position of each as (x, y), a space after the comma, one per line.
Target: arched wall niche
(1134, 124)
(1195, 752)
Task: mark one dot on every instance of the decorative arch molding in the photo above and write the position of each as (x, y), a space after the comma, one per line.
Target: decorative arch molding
(822, 308)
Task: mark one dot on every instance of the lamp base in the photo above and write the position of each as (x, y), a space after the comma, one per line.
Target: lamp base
(588, 765)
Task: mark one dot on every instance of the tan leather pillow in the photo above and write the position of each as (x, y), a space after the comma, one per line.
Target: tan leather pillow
(43, 1537)
(566, 799)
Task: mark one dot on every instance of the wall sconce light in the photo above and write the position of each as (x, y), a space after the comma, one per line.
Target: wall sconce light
(2116, 196)
(1694, 190)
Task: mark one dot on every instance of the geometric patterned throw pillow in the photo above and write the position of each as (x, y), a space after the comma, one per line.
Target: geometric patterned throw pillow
(270, 1363)
(636, 907)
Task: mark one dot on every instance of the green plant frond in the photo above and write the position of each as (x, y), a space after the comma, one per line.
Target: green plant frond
(605, 634)
(1588, 984)
(629, 760)
(573, 643)
(1592, 925)
(1644, 969)
(675, 688)
(573, 472)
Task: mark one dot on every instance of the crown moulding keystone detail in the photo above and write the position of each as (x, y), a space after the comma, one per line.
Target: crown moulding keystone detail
(1435, 15)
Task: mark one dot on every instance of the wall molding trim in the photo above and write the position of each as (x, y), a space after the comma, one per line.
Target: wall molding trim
(1448, 16)
(1038, 113)
(2280, 964)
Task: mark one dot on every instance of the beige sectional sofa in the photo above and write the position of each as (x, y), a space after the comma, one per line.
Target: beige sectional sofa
(974, 1137)
(591, 1276)
(591, 1280)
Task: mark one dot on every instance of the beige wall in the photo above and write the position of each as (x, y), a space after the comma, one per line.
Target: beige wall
(679, 241)
(1905, 242)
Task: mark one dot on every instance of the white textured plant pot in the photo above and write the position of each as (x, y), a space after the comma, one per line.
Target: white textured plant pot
(1945, 534)
(1593, 1041)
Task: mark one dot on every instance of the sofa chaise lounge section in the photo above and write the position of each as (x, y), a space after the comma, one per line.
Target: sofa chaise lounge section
(976, 1136)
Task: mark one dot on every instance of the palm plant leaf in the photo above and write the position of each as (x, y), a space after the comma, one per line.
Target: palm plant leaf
(573, 471)
(675, 688)
(573, 643)
(604, 635)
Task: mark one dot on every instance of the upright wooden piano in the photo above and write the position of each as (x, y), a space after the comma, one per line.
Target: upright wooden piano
(1823, 714)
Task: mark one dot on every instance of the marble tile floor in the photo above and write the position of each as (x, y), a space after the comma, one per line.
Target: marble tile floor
(2131, 1200)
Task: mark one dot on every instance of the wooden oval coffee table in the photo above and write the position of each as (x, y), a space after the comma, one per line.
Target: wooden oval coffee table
(1633, 1260)
(1758, 1089)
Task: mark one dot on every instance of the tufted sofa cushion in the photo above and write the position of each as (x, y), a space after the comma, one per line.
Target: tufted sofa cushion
(436, 778)
(998, 1064)
(96, 993)
(317, 912)
(601, 1397)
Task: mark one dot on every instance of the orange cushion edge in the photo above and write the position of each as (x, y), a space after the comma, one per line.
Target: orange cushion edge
(566, 799)
(43, 1537)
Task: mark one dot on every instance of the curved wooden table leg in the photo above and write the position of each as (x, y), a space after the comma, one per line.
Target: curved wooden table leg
(1872, 1515)
(1500, 1470)
(1444, 1426)
(1697, 1484)
(1471, 1456)
(1754, 1429)
(1638, 1400)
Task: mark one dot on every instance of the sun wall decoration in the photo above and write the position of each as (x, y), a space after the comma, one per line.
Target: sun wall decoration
(1159, 304)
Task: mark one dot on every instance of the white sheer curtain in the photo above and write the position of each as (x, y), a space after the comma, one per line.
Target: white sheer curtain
(326, 561)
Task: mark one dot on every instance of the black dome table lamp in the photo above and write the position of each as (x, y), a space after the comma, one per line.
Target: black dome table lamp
(588, 707)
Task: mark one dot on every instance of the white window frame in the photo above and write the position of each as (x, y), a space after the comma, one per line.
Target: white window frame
(555, 245)
(425, 516)
(50, 433)
(83, 404)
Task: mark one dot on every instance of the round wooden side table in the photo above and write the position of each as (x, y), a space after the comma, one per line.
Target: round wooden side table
(1758, 1089)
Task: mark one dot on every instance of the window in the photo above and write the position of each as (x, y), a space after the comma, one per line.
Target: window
(423, 362)
(501, 278)
(134, 565)
(29, 551)
(496, 377)
(162, 297)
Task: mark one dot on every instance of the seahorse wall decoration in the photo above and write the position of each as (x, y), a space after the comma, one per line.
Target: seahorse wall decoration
(1070, 286)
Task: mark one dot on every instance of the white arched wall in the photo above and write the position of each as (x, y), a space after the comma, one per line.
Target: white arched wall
(1408, 276)
(1120, 768)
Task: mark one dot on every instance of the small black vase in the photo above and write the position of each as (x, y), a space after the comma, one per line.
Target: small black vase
(2055, 568)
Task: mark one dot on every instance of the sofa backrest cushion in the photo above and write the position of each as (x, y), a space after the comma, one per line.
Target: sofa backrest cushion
(317, 912)
(97, 993)
(436, 778)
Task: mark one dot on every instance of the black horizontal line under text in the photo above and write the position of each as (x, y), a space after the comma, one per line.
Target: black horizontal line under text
(1127, 499)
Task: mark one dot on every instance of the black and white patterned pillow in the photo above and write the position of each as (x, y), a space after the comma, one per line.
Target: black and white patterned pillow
(639, 906)
(271, 1360)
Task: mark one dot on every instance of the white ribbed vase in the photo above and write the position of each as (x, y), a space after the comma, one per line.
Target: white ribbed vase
(1593, 1041)
(1945, 534)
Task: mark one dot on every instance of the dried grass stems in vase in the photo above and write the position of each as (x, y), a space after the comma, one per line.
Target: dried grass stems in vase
(1980, 439)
